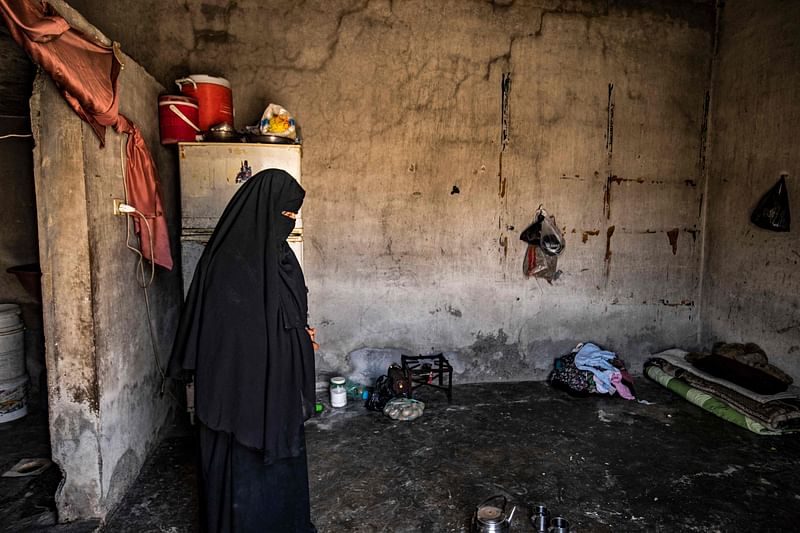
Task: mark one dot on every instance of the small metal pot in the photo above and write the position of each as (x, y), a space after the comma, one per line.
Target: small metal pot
(490, 518)
(221, 133)
(268, 139)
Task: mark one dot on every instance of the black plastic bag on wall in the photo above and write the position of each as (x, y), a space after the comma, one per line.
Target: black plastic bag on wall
(772, 211)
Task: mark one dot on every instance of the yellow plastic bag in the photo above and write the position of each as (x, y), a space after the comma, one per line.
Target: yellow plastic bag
(277, 121)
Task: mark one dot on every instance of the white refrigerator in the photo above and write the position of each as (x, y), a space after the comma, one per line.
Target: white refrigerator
(210, 173)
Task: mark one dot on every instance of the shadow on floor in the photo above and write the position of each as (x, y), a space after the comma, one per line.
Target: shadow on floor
(27, 503)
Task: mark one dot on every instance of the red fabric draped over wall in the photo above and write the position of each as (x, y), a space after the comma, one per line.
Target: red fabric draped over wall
(87, 75)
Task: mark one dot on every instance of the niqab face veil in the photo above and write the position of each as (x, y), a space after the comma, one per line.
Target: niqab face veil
(242, 331)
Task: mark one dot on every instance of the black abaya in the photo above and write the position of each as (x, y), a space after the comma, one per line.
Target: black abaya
(242, 334)
(241, 493)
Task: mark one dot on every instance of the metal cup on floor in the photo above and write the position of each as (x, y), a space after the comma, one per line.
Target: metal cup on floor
(559, 524)
(539, 518)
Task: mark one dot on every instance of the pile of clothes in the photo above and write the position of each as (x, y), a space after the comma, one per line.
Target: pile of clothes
(735, 382)
(589, 369)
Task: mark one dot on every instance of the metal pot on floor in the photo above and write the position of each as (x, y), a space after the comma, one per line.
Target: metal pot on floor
(491, 518)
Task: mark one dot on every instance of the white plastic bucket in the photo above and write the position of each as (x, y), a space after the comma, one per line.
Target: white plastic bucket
(12, 343)
(13, 398)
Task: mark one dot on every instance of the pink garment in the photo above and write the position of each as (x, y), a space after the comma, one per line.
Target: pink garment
(624, 391)
(87, 75)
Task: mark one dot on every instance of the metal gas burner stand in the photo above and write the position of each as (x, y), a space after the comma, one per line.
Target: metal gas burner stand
(425, 369)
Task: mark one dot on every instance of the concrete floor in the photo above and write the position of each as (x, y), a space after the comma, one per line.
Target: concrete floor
(604, 463)
(27, 502)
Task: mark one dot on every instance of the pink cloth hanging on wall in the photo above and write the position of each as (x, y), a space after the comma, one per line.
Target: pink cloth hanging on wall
(87, 73)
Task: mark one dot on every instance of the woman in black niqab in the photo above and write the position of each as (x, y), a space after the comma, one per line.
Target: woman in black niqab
(242, 333)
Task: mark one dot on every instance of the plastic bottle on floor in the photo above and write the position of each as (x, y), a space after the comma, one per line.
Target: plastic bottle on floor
(356, 391)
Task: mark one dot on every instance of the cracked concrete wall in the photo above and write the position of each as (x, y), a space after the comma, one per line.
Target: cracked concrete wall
(751, 290)
(106, 408)
(432, 132)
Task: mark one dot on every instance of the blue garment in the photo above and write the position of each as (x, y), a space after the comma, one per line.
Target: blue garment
(590, 357)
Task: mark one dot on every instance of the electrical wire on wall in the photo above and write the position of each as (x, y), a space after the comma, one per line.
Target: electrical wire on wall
(15, 136)
(16, 119)
(142, 279)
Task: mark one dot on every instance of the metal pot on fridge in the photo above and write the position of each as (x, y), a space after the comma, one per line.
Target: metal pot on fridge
(223, 132)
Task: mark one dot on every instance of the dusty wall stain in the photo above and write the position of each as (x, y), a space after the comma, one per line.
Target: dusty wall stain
(681, 303)
(618, 180)
(454, 311)
(703, 136)
(609, 151)
(610, 122)
(505, 124)
(607, 197)
(491, 354)
(607, 257)
(87, 394)
(505, 109)
(504, 245)
(585, 235)
(672, 235)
